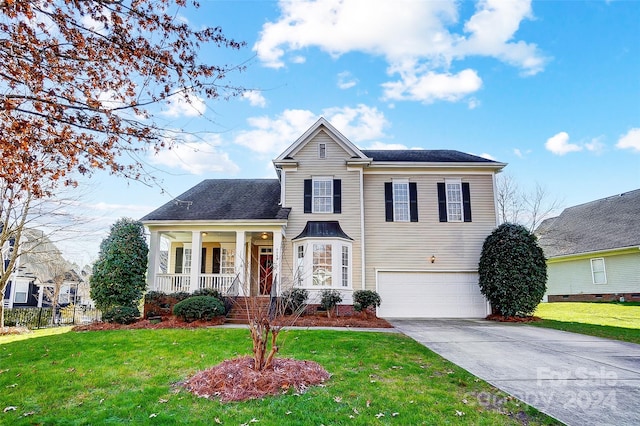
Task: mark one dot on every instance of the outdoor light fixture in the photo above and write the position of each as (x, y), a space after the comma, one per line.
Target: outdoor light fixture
(264, 235)
(204, 234)
(433, 259)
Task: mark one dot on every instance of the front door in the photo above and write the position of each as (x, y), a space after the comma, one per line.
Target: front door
(266, 273)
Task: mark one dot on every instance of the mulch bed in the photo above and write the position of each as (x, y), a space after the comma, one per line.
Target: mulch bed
(356, 321)
(502, 318)
(236, 380)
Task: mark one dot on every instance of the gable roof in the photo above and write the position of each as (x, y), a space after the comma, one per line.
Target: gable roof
(321, 124)
(605, 224)
(425, 156)
(225, 199)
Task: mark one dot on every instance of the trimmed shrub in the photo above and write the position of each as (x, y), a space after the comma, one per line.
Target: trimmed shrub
(513, 272)
(329, 300)
(363, 299)
(198, 308)
(295, 300)
(154, 296)
(227, 302)
(121, 314)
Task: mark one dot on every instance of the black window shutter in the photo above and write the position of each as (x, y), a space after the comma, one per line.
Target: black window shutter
(179, 254)
(203, 265)
(442, 202)
(466, 202)
(388, 201)
(216, 260)
(337, 196)
(308, 188)
(413, 201)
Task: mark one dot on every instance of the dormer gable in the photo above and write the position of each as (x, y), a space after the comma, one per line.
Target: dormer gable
(322, 125)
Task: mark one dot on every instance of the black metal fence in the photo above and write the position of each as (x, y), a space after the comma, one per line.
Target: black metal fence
(33, 318)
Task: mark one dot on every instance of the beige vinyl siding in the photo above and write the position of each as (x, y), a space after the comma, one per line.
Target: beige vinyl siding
(334, 166)
(574, 276)
(400, 246)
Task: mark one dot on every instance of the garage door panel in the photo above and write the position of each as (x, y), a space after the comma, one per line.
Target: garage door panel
(430, 295)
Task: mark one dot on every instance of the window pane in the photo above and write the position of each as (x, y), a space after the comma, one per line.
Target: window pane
(300, 265)
(323, 196)
(454, 202)
(186, 261)
(401, 202)
(345, 266)
(598, 271)
(322, 265)
(20, 297)
(227, 261)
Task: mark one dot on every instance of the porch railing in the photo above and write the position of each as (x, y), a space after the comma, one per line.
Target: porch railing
(173, 283)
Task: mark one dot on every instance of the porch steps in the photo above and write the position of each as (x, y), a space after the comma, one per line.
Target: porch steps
(245, 308)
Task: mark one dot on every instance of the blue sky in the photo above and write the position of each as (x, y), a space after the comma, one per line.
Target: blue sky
(550, 87)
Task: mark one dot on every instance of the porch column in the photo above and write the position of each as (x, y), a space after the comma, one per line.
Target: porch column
(277, 260)
(154, 259)
(240, 260)
(196, 254)
(40, 294)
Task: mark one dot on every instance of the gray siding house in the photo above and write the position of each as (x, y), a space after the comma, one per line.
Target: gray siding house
(409, 224)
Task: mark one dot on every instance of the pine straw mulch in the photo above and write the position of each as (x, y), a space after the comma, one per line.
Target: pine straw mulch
(167, 322)
(502, 318)
(6, 331)
(356, 321)
(236, 380)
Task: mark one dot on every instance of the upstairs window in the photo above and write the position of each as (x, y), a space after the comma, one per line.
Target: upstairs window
(322, 150)
(454, 201)
(401, 201)
(598, 272)
(322, 195)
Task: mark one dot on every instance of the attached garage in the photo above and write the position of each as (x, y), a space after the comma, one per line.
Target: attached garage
(430, 295)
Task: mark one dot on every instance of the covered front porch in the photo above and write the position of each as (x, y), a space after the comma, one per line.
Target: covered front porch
(237, 261)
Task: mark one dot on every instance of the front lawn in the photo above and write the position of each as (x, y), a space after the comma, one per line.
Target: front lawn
(132, 376)
(620, 321)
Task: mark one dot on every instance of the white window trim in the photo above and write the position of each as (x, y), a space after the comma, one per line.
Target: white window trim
(404, 182)
(305, 267)
(187, 253)
(593, 272)
(22, 288)
(322, 150)
(313, 193)
(447, 182)
(227, 258)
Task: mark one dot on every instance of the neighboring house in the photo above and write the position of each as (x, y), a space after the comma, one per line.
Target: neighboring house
(593, 250)
(31, 281)
(409, 224)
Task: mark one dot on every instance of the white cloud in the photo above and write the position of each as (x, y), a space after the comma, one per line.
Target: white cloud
(184, 104)
(518, 153)
(386, 146)
(431, 87)
(630, 140)
(346, 80)
(418, 39)
(274, 135)
(595, 145)
(559, 144)
(473, 103)
(488, 156)
(255, 98)
(197, 157)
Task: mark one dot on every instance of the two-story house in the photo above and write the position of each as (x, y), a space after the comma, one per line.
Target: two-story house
(409, 224)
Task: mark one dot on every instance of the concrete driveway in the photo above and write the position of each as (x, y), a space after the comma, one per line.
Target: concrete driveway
(579, 380)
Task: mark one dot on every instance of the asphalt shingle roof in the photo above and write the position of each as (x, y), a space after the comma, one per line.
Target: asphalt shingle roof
(424, 155)
(225, 199)
(609, 223)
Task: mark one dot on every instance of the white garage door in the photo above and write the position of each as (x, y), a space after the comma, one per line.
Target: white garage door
(430, 295)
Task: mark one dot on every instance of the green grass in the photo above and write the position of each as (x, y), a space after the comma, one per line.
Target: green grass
(35, 333)
(130, 376)
(620, 321)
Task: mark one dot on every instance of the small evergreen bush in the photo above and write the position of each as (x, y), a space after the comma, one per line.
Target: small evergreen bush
(512, 270)
(121, 314)
(180, 295)
(227, 302)
(295, 300)
(154, 296)
(199, 307)
(363, 299)
(329, 300)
